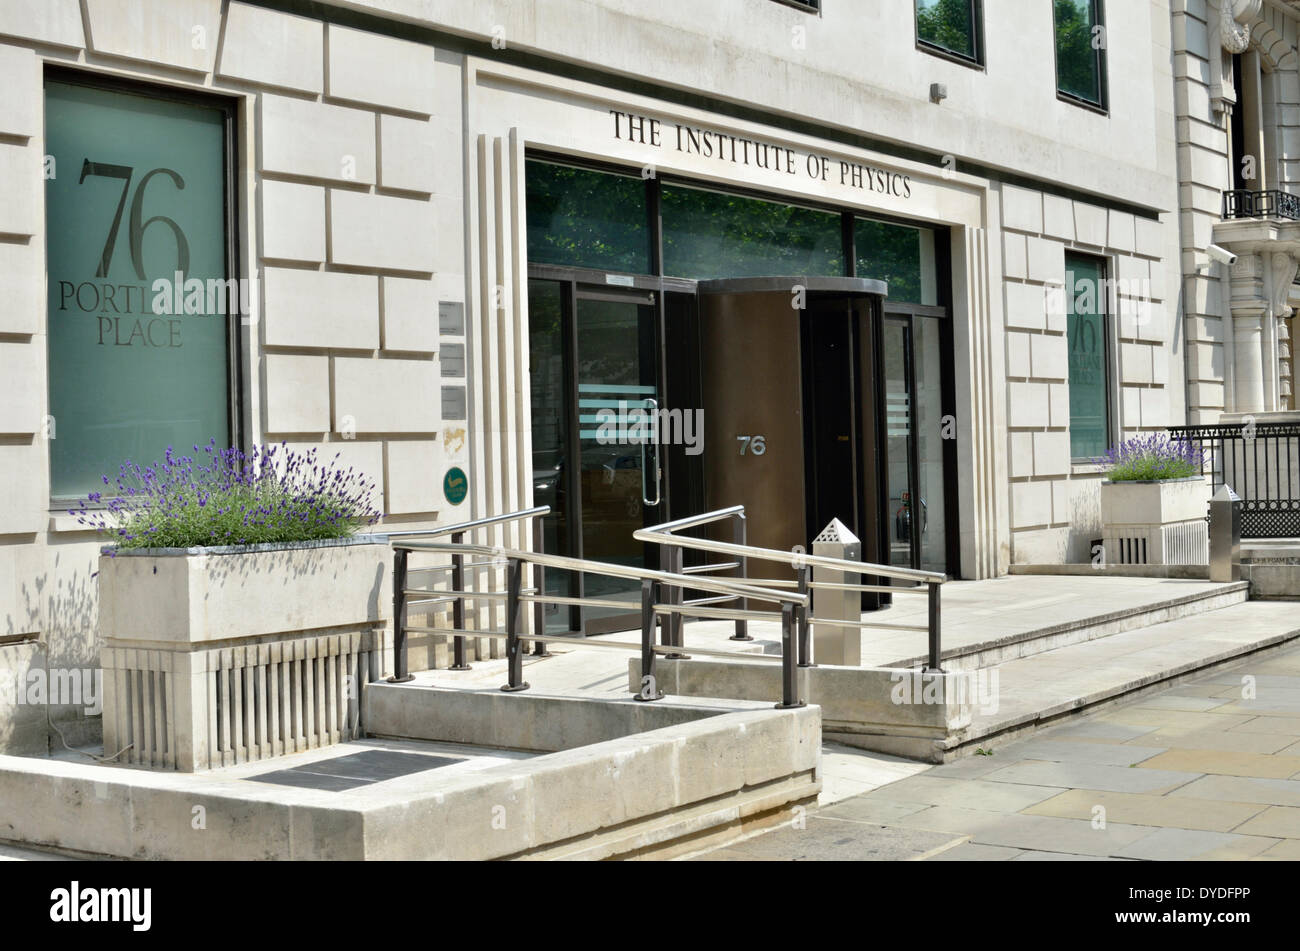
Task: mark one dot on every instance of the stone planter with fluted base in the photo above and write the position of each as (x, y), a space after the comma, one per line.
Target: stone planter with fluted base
(1156, 523)
(217, 656)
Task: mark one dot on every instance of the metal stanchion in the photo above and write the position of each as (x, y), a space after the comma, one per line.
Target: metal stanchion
(649, 685)
(539, 585)
(458, 661)
(400, 674)
(789, 667)
(935, 628)
(740, 531)
(514, 652)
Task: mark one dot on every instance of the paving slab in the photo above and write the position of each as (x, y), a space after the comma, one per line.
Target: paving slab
(1223, 763)
(1106, 754)
(1280, 821)
(1174, 701)
(966, 793)
(1034, 856)
(1137, 779)
(1180, 845)
(1288, 850)
(838, 840)
(1099, 731)
(969, 852)
(1278, 792)
(1209, 815)
(1027, 832)
(1228, 740)
(872, 810)
(1288, 725)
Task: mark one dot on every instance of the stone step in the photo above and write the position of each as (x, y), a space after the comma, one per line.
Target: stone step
(1034, 691)
(1087, 627)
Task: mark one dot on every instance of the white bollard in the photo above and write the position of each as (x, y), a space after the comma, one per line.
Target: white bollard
(834, 644)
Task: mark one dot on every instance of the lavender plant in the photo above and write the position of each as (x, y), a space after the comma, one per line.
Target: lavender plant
(226, 497)
(1152, 459)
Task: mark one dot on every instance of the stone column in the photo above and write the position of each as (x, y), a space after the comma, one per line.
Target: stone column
(1248, 307)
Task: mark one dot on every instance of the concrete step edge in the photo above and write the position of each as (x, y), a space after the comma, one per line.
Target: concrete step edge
(1164, 677)
(970, 656)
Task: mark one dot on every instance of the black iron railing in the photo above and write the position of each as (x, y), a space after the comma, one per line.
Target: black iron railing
(1265, 204)
(1261, 461)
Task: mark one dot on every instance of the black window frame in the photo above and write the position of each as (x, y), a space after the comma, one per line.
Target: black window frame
(237, 341)
(807, 6)
(977, 38)
(1099, 57)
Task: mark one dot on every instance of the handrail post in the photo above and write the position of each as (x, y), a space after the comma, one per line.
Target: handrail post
(539, 585)
(649, 685)
(805, 641)
(740, 532)
(935, 628)
(674, 623)
(458, 661)
(514, 654)
(400, 674)
(789, 668)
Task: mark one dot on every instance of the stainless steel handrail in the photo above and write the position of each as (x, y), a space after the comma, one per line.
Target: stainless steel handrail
(654, 611)
(610, 570)
(803, 564)
(462, 527)
(458, 568)
(794, 559)
(670, 558)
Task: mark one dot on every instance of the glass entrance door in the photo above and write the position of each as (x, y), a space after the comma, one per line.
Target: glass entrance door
(596, 452)
(918, 438)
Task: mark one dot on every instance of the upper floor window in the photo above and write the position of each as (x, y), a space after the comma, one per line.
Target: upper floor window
(810, 5)
(1081, 51)
(954, 27)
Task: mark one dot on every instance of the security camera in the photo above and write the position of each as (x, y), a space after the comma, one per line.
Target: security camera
(1222, 255)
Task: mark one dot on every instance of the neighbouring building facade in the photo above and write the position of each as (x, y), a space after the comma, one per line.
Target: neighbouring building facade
(1238, 147)
(913, 267)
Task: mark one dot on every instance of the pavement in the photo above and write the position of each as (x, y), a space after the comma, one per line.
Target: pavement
(1205, 770)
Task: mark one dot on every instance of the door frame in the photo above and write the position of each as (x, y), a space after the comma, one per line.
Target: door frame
(600, 285)
(909, 314)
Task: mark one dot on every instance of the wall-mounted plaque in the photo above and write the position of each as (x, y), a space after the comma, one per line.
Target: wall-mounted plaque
(451, 318)
(453, 359)
(453, 402)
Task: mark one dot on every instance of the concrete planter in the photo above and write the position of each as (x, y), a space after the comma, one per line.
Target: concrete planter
(1156, 523)
(219, 656)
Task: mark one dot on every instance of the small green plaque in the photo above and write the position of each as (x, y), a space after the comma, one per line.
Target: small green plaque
(455, 485)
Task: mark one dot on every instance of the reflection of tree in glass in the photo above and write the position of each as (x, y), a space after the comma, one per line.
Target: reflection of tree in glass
(1076, 61)
(587, 219)
(946, 23)
(717, 235)
(890, 253)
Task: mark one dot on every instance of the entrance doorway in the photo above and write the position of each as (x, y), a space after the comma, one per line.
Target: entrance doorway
(840, 409)
(852, 403)
(595, 361)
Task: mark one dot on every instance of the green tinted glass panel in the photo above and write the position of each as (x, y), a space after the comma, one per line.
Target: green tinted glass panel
(949, 24)
(581, 218)
(1086, 339)
(1078, 62)
(893, 253)
(137, 194)
(710, 235)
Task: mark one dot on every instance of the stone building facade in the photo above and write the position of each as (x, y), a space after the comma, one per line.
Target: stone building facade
(425, 197)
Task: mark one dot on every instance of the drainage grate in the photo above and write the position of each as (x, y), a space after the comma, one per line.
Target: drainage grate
(355, 769)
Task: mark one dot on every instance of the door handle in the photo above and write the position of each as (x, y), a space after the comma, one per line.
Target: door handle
(653, 406)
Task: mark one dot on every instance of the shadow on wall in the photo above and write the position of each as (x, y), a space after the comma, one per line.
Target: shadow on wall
(55, 609)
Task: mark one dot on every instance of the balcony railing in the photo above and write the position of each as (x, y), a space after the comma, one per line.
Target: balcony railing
(1266, 204)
